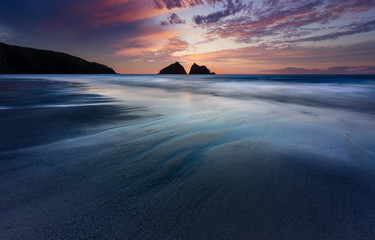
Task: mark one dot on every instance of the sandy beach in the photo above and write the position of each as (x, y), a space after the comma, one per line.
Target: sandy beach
(151, 157)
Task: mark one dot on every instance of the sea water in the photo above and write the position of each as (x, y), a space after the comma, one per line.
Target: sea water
(187, 157)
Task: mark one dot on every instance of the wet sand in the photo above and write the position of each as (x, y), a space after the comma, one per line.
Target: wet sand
(92, 166)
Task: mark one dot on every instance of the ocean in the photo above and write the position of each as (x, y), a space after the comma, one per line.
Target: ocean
(187, 157)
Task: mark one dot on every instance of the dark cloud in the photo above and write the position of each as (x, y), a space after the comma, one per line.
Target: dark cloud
(230, 8)
(271, 3)
(351, 29)
(170, 4)
(288, 21)
(339, 6)
(172, 20)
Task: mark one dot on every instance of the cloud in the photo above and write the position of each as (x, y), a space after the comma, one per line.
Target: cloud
(173, 19)
(360, 27)
(74, 16)
(268, 21)
(174, 45)
(160, 45)
(289, 20)
(170, 4)
(148, 39)
(331, 70)
(98, 13)
(230, 8)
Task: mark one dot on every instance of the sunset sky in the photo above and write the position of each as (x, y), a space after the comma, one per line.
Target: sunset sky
(228, 36)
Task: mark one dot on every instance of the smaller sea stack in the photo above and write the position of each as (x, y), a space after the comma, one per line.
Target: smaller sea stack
(175, 68)
(196, 69)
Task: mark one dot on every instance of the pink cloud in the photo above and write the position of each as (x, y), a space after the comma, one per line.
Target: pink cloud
(100, 13)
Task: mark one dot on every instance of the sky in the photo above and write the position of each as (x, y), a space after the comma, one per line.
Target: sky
(228, 36)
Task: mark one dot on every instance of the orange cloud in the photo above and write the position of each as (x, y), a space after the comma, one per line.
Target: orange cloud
(128, 11)
(150, 41)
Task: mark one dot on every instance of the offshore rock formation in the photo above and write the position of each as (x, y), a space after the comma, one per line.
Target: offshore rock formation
(22, 60)
(175, 68)
(196, 69)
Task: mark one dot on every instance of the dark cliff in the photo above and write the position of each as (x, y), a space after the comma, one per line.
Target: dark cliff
(196, 69)
(19, 60)
(175, 68)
